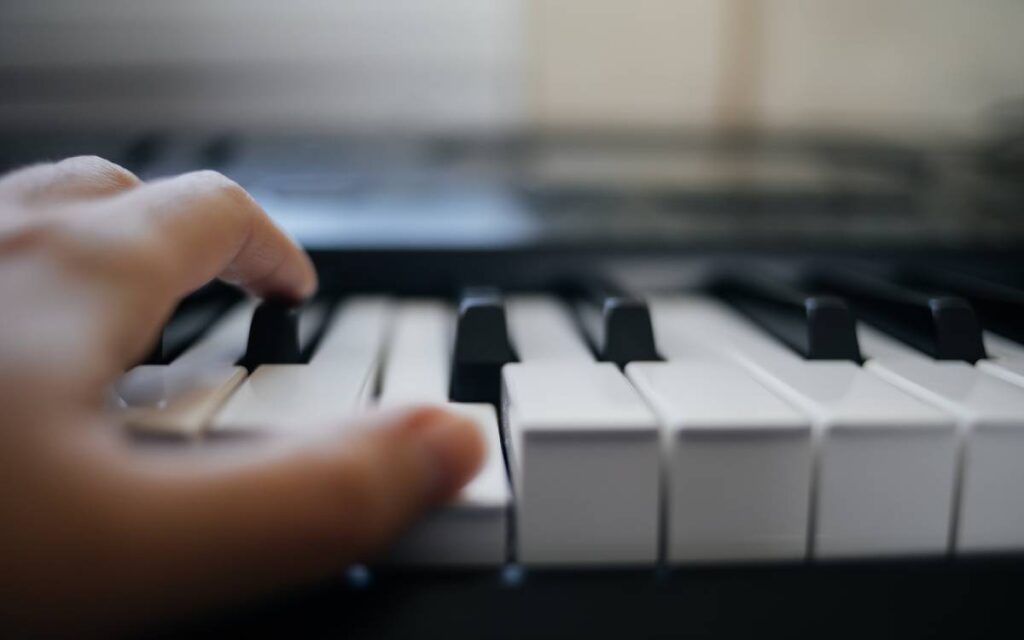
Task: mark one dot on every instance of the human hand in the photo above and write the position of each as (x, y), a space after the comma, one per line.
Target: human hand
(96, 536)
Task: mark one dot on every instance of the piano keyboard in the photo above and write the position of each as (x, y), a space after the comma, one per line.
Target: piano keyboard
(834, 417)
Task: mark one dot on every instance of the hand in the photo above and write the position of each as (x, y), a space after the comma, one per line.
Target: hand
(97, 536)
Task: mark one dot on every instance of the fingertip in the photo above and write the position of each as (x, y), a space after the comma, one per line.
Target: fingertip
(453, 445)
(307, 279)
(294, 280)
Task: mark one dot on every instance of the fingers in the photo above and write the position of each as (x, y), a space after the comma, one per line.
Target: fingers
(197, 226)
(202, 225)
(214, 536)
(81, 177)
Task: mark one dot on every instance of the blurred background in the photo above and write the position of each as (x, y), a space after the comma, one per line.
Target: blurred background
(526, 121)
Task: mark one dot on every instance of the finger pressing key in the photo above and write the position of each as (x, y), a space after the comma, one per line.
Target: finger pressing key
(204, 226)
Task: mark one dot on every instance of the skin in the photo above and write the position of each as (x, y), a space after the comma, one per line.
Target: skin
(100, 537)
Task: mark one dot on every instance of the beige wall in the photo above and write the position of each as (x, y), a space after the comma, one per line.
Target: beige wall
(891, 65)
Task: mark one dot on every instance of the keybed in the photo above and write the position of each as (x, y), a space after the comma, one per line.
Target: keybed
(755, 420)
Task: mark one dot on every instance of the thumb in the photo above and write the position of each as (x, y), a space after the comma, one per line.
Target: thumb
(215, 535)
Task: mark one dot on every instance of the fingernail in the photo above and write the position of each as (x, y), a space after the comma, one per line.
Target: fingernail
(451, 445)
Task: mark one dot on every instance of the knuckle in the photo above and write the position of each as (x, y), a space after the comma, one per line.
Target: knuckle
(219, 185)
(41, 233)
(103, 172)
(128, 259)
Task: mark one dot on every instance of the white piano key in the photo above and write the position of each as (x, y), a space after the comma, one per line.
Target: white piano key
(885, 460)
(225, 342)
(542, 329)
(418, 363)
(1009, 369)
(738, 476)
(991, 416)
(299, 399)
(584, 454)
(471, 530)
(180, 398)
(878, 345)
(989, 404)
(999, 347)
(310, 321)
(161, 399)
(687, 326)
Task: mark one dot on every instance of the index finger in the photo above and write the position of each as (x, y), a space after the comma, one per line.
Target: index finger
(206, 226)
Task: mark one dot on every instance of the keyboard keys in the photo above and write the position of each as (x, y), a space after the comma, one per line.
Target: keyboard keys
(471, 530)
(990, 412)
(816, 327)
(877, 345)
(738, 476)
(1001, 348)
(688, 326)
(618, 325)
(273, 336)
(304, 399)
(164, 400)
(943, 327)
(225, 343)
(885, 461)
(584, 454)
(761, 437)
(1000, 307)
(418, 355)
(1011, 370)
(187, 323)
(280, 333)
(481, 348)
(542, 330)
(180, 398)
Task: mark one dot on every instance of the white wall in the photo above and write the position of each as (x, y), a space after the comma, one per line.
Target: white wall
(886, 65)
(375, 63)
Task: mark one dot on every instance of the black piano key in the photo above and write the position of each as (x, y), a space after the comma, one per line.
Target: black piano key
(999, 306)
(481, 347)
(943, 327)
(617, 324)
(627, 332)
(818, 327)
(273, 336)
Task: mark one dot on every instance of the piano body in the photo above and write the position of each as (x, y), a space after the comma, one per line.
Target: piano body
(731, 381)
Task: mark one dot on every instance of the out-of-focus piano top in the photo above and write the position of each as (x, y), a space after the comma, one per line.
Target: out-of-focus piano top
(647, 191)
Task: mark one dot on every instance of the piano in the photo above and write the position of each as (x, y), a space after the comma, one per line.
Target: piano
(726, 385)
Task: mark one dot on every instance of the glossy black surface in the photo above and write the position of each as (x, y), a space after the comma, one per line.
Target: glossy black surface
(273, 336)
(943, 327)
(481, 347)
(938, 598)
(818, 327)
